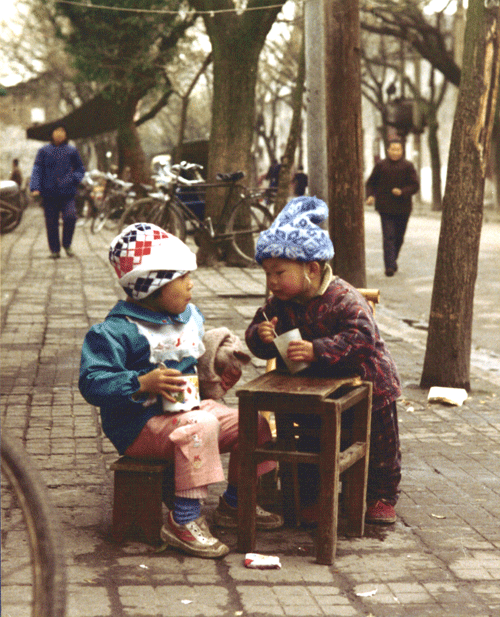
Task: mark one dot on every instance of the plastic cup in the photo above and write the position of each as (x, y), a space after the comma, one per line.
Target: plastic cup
(282, 343)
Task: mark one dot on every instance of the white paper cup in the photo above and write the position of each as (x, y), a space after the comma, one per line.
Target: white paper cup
(188, 399)
(282, 343)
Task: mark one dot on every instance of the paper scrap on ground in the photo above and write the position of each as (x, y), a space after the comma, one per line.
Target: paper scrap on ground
(452, 396)
(262, 562)
(367, 594)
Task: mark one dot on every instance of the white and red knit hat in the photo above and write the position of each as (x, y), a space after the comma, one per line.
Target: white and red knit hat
(145, 257)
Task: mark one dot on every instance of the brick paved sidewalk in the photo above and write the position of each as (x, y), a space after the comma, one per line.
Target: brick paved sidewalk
(440, 559)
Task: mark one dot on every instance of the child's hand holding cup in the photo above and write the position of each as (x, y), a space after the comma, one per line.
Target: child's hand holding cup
(282, 343)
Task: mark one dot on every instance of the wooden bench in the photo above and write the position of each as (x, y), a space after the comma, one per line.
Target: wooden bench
(139, 488)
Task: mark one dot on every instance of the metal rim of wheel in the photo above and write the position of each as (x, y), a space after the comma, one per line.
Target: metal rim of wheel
(243, 240)
(138, 212)
(97, 222)
(23, 481)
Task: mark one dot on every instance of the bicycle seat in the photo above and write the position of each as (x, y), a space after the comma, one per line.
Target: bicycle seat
(234, 177)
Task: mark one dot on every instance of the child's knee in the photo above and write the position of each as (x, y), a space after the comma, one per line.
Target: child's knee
(197, 425)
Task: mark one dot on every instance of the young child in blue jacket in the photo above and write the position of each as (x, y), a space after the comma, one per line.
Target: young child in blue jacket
(340, 338)
(139, 368)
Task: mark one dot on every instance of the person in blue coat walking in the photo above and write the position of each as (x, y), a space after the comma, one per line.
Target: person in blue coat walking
(57, 172)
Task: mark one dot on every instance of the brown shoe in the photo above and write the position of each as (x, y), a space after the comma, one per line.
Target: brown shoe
(226, 516)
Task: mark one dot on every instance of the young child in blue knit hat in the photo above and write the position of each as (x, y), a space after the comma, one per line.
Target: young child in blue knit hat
(140, 368)
(340, 338)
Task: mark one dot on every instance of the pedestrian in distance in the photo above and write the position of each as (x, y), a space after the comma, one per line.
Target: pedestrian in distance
(140, 368)
(57, 172)
(16, 175)
(340, 338)
(390, 187)
(273, 173)
(300, 182)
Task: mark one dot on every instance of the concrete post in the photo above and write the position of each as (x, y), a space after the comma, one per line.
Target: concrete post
(315, 99)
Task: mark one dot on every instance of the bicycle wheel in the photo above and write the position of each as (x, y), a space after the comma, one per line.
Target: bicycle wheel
(246, 222)
(111, 213)
(140, 211)
(169, 218)
(10, 216)
(33, 567)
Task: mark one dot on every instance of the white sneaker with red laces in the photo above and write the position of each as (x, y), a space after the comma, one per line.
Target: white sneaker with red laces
(193, 538)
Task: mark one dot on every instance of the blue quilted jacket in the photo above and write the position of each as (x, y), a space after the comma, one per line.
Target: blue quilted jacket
(57, 171)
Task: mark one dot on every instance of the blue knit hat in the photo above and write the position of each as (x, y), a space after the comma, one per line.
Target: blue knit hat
(296, 233)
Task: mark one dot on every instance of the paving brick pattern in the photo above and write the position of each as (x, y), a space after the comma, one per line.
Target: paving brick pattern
(441, 559)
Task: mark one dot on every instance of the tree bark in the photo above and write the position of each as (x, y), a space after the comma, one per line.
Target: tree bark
(433, 141)
(237, 40)
(130, 151)
(447, 356)
(285, 175)
(344, 139)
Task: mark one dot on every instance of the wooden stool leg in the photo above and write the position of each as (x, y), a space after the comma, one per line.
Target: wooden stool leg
(247, 480)
(329, 488)
(289, 475)
(137, 503)
(168, 486)
(122, 515)
(355, 479)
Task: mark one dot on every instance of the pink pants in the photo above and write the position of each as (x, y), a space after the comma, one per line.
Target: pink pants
(194, 440)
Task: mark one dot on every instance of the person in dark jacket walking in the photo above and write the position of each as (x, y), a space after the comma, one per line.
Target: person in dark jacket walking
(57, 172)
(390, 187)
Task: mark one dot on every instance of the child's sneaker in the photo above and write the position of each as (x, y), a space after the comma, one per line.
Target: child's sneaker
(227, 516)
(380, 512)
(193, 538)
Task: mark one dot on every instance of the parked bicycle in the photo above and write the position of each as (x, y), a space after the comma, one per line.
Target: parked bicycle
(180, 209)
(32, 555)
(87, 193)
(110, 203)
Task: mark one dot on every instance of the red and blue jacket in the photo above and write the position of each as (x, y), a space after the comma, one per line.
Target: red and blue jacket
(345, 337)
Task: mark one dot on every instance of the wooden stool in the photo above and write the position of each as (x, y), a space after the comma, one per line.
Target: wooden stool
(328, 398)
(139, 485)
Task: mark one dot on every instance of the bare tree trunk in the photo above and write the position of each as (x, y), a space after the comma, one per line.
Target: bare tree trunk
(184, 107)
(433, 141)
(130, 152)
(344, 138)
(447, 357)
(237, 40)
(233, 115)
(285, 175)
